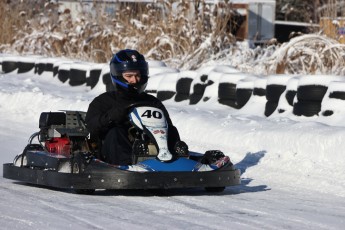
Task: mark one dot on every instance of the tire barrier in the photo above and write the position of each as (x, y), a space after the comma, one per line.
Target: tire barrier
(40, 66)
(227, 88)
(106, 79)
(260, 87)
(244, 90)
(77, 77)
(93, 79)
(287, 98)
(64, 72)
(333, 103)
(310, 93)
(198, 88)
(306, 108)
(79, 72)
(25, 65)
(275, 86)
(9, 64)
(152, 84)
(211, 89)
(290, 95)
(183, 85)
(183, 88)
(167, 88)
(321, 95)
(257, 100)
(44, 65)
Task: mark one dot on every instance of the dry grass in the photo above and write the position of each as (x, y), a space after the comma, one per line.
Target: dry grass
(177, 36)
(181, 39)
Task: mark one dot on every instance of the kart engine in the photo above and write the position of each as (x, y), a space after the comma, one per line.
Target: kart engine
(63, 132)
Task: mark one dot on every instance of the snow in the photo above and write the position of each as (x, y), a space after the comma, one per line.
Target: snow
(292, 167)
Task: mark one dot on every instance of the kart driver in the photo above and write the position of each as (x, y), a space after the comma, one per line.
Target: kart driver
(107, 116)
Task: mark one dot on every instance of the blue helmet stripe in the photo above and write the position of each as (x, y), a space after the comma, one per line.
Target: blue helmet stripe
(119, 82)
(117, 59)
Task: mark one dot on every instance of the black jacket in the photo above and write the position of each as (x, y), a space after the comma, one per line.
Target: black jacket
(110, 109)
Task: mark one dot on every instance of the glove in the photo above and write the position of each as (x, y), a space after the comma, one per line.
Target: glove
(140, 148)
(181, 148)
(211, 156)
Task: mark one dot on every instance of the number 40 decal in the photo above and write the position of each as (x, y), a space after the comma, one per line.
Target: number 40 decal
(149, 113)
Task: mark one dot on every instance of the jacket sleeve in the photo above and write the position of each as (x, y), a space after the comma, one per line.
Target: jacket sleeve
(101, 116)
(95, 118)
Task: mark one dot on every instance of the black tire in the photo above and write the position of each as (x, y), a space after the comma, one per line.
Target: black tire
(24, 67)
(306, 108)
(49, 67)
(55, 70)
(181, 97)
(290, 95)
(106, 79)
(183, 89)
(214, 189)
(259, 92)
(338, 95)
(63, 75)
(327, 113)
(270, 107)
(93, 79)
(165, 95)
(228, 102)
(40, 67)
(198, 92)
(243, 96)
(9, 66)
(227, 91)
(183, 85)
(77, 77)
(311, 92)
(273, 92)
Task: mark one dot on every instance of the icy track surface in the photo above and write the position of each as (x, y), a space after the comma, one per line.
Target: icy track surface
(292, 170)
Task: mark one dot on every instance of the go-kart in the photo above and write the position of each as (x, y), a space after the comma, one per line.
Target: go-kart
(63, 157)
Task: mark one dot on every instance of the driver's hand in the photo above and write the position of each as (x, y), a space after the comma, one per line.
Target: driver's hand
(181, 148)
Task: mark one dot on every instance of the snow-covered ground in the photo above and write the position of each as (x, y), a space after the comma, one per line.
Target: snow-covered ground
(292, 168)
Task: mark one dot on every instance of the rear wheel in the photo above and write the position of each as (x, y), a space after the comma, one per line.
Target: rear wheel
(78, 166)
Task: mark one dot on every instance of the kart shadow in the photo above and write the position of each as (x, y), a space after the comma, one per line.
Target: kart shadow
(250, 160)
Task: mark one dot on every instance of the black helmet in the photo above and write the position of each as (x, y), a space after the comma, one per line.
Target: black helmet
(129, 60)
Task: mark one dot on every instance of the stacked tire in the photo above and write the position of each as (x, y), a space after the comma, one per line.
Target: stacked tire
(334, 100)
(25, 64)
(93, 77)
(198, 87)
(310, 93)
(167, 88)
(275, 86)
(244, 90)
(227, 88)
(287, 98)
(9, 64)
(183, 85)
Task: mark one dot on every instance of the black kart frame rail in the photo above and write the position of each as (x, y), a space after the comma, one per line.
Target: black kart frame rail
(112, 178)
